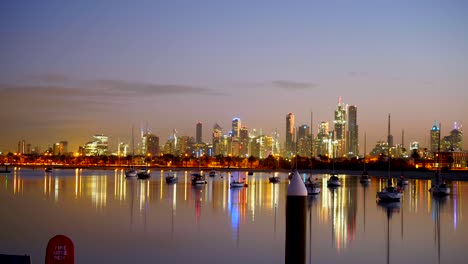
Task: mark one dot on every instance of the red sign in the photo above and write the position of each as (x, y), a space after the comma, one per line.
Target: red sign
(60, 249)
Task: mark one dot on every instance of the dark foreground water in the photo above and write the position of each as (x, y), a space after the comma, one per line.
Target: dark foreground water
(112, 219)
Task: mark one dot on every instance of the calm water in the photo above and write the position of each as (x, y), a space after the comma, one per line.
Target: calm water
(112, 219)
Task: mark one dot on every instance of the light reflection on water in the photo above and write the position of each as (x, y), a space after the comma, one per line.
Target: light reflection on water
(121, 220)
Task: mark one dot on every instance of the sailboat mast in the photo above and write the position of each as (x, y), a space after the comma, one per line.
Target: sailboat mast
(365, 144)
(388, 143)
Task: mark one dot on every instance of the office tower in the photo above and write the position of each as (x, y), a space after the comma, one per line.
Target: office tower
(303, 140)
(60, 148)
(236, 125)
(289, 145)
(339, 132)
(123, 150)
(245, 141)
(198, 136)
(454, 141)
(353, 143)
(22, 146)
(152, 144)
(217, 140)
(97, 147)
(435, 134)
(322, 140)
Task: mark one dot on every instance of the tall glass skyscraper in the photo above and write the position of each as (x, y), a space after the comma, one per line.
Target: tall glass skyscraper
(340, 129)
(236, 125)
(289, 144)
(353, 137)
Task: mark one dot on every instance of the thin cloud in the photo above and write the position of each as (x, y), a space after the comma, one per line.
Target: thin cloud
(292, 85)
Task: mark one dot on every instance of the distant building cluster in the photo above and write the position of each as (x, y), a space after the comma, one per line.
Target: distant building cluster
(338, 140)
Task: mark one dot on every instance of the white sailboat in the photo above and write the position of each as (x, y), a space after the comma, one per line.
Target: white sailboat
(333, 181)
(237, 183)
(389, 193)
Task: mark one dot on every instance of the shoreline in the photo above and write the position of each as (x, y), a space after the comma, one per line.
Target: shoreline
(455, 175)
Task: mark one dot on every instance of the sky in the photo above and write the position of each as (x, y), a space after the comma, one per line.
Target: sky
(72, 69)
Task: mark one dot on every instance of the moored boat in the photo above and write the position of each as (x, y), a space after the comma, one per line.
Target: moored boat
(334, 181)
(171, 178)
(274, 179)
(313, 187)
(144, 174)
(198, 179)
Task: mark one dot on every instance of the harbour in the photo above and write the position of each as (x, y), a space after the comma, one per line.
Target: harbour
(115, 219)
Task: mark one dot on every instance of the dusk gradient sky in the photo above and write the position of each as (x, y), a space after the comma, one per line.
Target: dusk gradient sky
(71, 69)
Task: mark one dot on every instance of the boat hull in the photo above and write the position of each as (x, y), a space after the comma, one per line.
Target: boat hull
(440, 190)
(171, 180)
(274, 179)
(237, 185)
(313, 190)
(143, 175)
(389, 195)
(131, 173)
(333, 183)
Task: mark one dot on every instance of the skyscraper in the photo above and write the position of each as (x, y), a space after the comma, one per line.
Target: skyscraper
(353, 141)
(303, 142)
(152, 144)
(340, 129)
(435, 134)
(217, 140)
(454, 141)
(289, 144)
(236, 125)
(198, 137)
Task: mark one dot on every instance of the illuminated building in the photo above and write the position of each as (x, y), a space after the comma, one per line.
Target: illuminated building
(321, 142)
(262, 146)
(97, 147)
(244, 142)
(289, 144)
(353, 139)
(60, 148)
(454, 141)
(435, 133)
(22, 147)
(303, 140)
(379, 149)
(340, 129)
(152, 144)
(236, 125)
(198, 135)
(122, 150)
(217, 140)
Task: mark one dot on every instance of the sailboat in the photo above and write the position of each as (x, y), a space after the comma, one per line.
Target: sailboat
(238, 183)
(131, 172)
(274, 178)
(364, 175)
(312, 186)
(144, 173)
(389, 193)
(333, 181)
(171, 177)
(439, 187)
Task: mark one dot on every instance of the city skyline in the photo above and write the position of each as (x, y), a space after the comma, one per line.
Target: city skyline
(72, 70)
